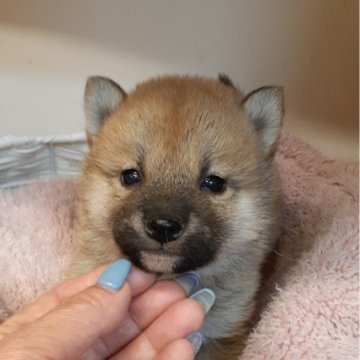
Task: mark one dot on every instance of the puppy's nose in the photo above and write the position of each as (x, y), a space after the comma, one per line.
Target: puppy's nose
(163, 230)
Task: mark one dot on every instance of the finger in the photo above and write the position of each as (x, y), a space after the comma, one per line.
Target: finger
(138, 280)
(144, 309)
(48, 301)
(179, 320)
(84, 318)
(180, 349)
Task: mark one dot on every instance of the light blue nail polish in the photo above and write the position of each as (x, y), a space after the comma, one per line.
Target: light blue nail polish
(196, 340)
(206, 298)
(114, 276)
(189, 282)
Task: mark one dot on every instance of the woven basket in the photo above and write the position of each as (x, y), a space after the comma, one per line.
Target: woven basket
(24, 160)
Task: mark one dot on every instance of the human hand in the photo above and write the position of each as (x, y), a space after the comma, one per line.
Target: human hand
(89, 318)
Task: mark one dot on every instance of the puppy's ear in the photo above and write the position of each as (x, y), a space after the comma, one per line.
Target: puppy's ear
(265, 109)
(102, 97)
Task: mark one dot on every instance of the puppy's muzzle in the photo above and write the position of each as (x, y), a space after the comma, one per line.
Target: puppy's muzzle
(163, 229)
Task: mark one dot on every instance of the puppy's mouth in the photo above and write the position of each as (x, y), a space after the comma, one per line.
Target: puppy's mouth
(176, 257)
(160, 263)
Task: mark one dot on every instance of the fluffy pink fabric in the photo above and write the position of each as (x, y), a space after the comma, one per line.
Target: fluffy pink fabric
(313, 312)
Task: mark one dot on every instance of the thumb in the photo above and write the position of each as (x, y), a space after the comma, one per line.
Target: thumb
(70, 329)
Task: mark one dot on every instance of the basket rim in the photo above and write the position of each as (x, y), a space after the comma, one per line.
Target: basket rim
(8, 141)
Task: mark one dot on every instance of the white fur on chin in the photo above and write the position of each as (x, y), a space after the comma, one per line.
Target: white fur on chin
(161, 263)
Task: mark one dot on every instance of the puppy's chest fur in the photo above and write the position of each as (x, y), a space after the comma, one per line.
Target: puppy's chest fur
(179, 178)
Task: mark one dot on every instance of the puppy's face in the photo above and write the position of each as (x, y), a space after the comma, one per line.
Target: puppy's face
(178, 173)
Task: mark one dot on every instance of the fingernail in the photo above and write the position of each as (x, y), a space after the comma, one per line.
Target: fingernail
(189, 282)
(196, 340)
(206, 298)
(114, 276)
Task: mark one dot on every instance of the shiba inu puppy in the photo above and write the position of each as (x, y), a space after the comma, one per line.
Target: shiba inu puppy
(179, 178)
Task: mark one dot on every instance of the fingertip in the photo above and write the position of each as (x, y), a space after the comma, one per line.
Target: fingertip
(191, 309)
(196, 339)
(169, 287)
(206, 298)
(140, 280)
(114, 276)
(179, 320)
(189, 282)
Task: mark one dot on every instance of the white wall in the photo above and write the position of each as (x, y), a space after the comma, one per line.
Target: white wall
(48, 48)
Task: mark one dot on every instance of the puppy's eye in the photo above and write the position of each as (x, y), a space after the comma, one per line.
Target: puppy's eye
(213, 183)
(130, 177)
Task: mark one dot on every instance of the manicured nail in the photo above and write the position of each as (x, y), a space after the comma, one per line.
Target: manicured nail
(196, 340)
(114, 276)
(189, 282)
(206, 298)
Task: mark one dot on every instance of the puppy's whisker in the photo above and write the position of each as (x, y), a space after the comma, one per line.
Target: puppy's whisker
(283, 255)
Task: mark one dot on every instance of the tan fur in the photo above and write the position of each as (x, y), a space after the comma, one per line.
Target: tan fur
(170, 126)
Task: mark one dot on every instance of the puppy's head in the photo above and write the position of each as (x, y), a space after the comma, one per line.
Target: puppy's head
(179, 173)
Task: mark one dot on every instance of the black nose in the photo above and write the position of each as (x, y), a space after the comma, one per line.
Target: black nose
(163, 230)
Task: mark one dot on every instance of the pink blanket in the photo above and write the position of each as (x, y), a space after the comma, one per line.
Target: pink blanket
(313, 312)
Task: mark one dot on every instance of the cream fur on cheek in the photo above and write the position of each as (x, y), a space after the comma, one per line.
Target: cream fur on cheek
(314, 310)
